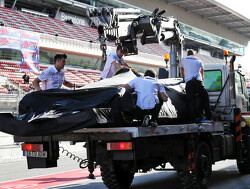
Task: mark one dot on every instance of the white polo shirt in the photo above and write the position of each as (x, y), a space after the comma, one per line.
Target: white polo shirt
(51, 78)
(109, 68)
(192, 66)
(147, 89)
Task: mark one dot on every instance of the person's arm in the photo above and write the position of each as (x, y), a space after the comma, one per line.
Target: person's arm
(183, 73)
(116, 64)
(126, 65)
(69, 84)
(36, 84)
(202, 74)
(163, 96)
(127, 86)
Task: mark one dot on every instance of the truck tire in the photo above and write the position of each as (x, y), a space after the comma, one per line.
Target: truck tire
(114, 177)
(201, 176)
(203, 165)
(244, 167)
(187, 179)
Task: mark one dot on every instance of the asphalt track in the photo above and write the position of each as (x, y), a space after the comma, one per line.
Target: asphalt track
(50, 180)
(15, 175)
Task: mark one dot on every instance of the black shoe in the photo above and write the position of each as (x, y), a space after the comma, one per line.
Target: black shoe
(197, 120)
(153, 124)
(145, 121)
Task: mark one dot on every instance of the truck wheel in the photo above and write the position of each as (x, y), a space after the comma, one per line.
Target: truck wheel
(114, 177)
(244, 167)
(203, 165)
(187, 179)
(201, 176)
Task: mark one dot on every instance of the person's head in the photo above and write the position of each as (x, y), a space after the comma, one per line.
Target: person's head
(60, 61)
(121, 50)
(150, 73)
(190, 52)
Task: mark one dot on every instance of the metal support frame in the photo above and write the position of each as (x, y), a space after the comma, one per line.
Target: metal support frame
(191, 151)
(91, 167)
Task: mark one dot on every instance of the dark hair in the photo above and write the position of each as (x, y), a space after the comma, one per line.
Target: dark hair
(151, 73)
(123, 49)
(59, 57)
(190, 52)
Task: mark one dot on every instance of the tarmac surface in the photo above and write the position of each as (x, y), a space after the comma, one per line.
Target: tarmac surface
(14, 174)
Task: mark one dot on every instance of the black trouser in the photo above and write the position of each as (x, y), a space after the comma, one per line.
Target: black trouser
(195, 87)
(139, 113)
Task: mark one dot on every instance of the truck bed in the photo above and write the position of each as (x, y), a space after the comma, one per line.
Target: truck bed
(127, 133)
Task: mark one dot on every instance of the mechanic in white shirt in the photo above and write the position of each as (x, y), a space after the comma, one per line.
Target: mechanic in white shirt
(150, 96)
(54, 76)
(114, 62)
(192, 70)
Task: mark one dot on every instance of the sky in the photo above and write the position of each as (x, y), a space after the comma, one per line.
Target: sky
(242, 7)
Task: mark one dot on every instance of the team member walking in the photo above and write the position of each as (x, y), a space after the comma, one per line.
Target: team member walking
(54, 76)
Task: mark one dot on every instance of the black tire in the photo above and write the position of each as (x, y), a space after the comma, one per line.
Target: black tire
(201, 176)
(187, 179)
(244, 167)
(203, 165)
(114, 177)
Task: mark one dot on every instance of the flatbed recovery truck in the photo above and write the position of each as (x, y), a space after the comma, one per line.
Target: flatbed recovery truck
(191, 149)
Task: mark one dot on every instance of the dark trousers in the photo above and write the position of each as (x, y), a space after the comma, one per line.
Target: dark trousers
(139, 113)
(195, 87)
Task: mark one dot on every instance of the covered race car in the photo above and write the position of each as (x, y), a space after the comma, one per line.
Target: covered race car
(100, 104)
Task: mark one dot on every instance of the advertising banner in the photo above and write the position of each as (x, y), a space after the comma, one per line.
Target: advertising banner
(29, 43)
(25, 41)
(9, 38)
(78, 20)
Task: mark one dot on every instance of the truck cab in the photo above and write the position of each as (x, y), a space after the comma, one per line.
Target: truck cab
(217, 82)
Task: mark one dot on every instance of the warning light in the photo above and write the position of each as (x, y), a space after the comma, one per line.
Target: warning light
(32, 147)
(225, 53)
(166, 57)
(120, 146)
(29, 147)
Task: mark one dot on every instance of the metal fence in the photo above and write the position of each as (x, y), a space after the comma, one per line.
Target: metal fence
(9, 103)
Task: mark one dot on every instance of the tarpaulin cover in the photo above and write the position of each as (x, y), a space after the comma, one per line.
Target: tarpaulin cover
(99, 104)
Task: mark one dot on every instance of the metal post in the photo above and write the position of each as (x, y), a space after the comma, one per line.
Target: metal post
(14, 4)
(173, 61)
(232, 83)
(57, 12)
(232, 88)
